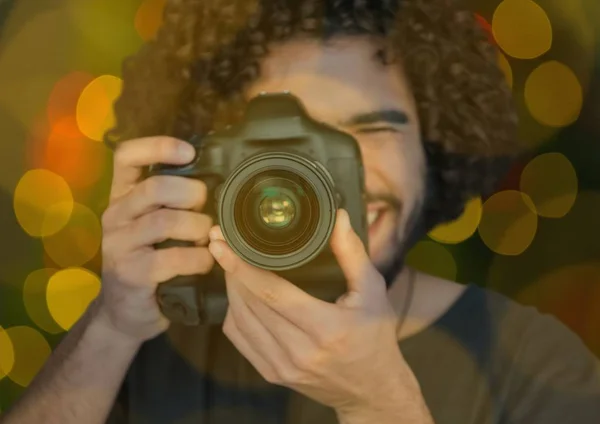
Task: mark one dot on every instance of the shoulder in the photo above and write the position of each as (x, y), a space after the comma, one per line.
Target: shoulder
(544, 370)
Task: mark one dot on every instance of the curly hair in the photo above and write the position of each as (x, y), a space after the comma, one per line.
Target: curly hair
(191, 77)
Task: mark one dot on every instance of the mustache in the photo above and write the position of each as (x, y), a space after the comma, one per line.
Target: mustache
(392, 201)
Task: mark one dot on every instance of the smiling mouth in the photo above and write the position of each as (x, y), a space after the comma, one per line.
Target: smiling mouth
(374, 216)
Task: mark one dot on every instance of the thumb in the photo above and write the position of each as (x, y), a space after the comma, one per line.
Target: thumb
(361, 275)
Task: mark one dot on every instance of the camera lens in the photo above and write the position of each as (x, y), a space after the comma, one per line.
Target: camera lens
(276, 212)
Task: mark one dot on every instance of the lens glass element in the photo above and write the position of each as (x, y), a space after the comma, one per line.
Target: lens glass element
(276, 212)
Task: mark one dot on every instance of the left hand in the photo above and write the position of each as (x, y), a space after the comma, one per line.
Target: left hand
(343, 355)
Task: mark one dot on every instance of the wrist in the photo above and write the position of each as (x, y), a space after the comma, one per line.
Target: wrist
(398, 401)
(101, 326)
(407, 412)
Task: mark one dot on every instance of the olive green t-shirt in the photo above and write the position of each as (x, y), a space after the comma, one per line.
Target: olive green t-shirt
(486, 360)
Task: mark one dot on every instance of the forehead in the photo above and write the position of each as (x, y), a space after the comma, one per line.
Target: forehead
(334, 80)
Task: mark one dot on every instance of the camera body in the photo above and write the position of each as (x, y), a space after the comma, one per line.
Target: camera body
(275, 181)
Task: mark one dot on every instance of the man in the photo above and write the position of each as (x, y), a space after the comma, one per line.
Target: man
(416, 83)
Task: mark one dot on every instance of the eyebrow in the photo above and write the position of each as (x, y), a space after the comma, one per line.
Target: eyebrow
(391, 116)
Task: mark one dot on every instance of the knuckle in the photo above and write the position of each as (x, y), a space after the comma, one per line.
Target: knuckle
(120, 153)
(150, 187)
(271, 377)
(166, 147)
(109, 242)
(307, 361)
(201, 191)
(108, 217)
(162, 221)
(270, 295)
(334, 342)
(158, 265)
(228, 326)
(288, 375)
(206, 222)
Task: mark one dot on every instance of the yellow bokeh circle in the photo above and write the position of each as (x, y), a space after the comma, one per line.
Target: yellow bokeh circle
(69, 293)
(34, 299)
(553, 94)
(31, 350)
(550, 181)
(432, 258)
(522, 29)
(462, 228)
(95, 114)
(78, 241)
(7, 354)
(508, 222)
(37, 192)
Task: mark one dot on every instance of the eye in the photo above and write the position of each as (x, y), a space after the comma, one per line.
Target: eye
(372, 130)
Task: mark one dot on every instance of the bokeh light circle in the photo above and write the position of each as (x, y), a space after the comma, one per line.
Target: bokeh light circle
(70, 291)
(432, 258)
(7, 354)
(522, 29)
(508, 222)
(462, 228)
(65, 94)
(34, 299)
(572, 294)
(486, 26)
(553, 94)
(550, 181)
(149, 18)
(31, 350)
(72, 155)
(95, 114)
(38, 191)
(78, 241)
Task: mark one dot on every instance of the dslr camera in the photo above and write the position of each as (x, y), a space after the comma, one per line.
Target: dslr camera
(275, 181)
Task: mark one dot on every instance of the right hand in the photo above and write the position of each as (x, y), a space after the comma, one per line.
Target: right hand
(141, 214)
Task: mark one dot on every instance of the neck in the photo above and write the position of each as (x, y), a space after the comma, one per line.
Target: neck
(401, 294)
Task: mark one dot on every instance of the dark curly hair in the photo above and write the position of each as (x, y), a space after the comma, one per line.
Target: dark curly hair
(191, 77)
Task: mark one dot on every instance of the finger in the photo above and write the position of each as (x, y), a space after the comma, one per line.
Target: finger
(233, 333)
(133, 155)
(165, 224)
(151, 267)
(285, 298)
(255, 333)
(300, 347)
(153, 193)
(361, 275)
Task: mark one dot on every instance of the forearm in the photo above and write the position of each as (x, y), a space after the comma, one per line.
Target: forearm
(80, 380)
(396, 414)
(399, 402)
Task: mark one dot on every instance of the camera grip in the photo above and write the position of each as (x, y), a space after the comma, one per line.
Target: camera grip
(193, 299)
(178, 297)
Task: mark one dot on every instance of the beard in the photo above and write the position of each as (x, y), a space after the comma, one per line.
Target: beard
(414, 231)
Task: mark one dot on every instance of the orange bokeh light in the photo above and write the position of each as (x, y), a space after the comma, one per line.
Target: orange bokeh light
(487, 27)
(149, 18)
(65, 94)
(70, 154)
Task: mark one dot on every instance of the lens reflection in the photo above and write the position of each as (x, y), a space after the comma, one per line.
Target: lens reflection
(276, 212)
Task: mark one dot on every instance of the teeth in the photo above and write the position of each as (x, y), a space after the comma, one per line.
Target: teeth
(372, 216)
